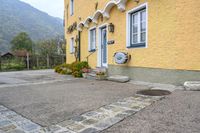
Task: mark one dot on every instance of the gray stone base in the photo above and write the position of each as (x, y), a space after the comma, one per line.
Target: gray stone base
(118, 78)
(155, 75)
(192, 85)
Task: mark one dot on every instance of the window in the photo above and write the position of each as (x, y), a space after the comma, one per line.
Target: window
(72, 49)
(137, 27)
(92, 40)
(71, 7)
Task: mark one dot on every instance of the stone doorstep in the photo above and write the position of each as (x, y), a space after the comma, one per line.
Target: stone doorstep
(119, 78)
(192, 85)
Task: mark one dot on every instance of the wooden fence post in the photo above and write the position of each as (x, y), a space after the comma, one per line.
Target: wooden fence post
(37, 61)
(47, 60)
(27, 61)
(0, 61)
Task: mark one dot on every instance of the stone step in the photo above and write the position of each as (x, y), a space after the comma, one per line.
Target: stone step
(192, 85)
(100, 69)
(92, 74)
(119, 78)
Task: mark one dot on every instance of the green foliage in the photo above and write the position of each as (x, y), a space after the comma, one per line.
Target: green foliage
(22, 42)
(75, 68)
(46, 47)
(63, 69)
(14, 64)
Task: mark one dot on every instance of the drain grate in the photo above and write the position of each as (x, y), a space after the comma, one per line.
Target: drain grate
(154, 92)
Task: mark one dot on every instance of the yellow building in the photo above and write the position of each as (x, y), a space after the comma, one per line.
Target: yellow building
(160, 37)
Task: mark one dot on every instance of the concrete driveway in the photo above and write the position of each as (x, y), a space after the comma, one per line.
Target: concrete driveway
(48, 98)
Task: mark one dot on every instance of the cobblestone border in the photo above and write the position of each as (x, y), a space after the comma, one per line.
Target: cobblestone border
(104, 117)
(14, 123)
(89, 122)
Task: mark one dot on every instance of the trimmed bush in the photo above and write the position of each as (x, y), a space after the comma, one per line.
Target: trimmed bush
(63, 69)
(75, 68)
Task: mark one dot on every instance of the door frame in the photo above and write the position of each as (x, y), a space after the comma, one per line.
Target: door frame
(99, 55)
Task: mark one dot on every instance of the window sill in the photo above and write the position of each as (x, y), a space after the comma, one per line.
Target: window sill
(92, 50)
(138, 45)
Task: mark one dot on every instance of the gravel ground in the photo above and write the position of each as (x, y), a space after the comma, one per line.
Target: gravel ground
(51, 103)
(177, 113)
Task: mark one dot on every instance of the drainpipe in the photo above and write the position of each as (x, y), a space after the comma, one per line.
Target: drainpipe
(79, 45)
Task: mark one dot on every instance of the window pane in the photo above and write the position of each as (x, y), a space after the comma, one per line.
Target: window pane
(134, 34)
(135, 28)
(138, 27)
(135, 38)
(143, 15)
(143, 26)
(143, 37)
(93, 39)
(72, 45)
(71, 7)
(135, 18)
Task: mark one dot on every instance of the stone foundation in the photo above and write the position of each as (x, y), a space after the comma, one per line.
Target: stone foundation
(155, 75)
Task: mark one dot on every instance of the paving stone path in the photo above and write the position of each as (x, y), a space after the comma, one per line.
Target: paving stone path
(11, 122)
(89, 122)
(104, 117)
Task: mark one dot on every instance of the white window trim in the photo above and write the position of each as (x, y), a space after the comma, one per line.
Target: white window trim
(72, 49)
(89, 38)
(71, 7)
(128, 25)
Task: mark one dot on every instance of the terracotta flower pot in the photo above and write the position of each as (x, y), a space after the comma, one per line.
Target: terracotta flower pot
(101, 77)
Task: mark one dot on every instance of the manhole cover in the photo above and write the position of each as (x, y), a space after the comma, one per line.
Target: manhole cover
(154, 92)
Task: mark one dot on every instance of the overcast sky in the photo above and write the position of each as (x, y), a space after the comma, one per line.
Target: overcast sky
(52, 7)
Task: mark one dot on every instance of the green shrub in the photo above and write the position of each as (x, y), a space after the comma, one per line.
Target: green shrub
(13, 64)
(77, 67)
(63, 69)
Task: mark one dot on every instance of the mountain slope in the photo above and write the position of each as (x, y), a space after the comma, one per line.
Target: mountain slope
(17, 16)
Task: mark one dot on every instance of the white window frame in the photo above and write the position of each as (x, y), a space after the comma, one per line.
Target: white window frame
(92, 46)
(128, 26)
(71, 7)
(72, 48)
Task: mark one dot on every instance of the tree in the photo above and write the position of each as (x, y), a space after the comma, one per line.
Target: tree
(22, 42)
(46, 47)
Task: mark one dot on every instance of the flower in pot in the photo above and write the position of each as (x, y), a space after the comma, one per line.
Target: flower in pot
(101, 75)
(85, 72)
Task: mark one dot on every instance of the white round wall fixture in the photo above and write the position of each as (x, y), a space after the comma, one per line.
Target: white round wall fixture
(121, 57)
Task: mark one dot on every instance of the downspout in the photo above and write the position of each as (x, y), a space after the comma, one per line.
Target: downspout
(79, 46)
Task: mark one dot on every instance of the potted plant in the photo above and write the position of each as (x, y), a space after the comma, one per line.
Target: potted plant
(85, 72)
(101, 75)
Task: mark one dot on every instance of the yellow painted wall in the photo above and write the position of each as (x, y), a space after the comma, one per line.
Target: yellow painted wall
(173, 33)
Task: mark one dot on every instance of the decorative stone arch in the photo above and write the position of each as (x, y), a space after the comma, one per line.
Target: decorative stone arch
(87, 21)
(121, 5)
(80, 26)
(96, 16)
(107, 9)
